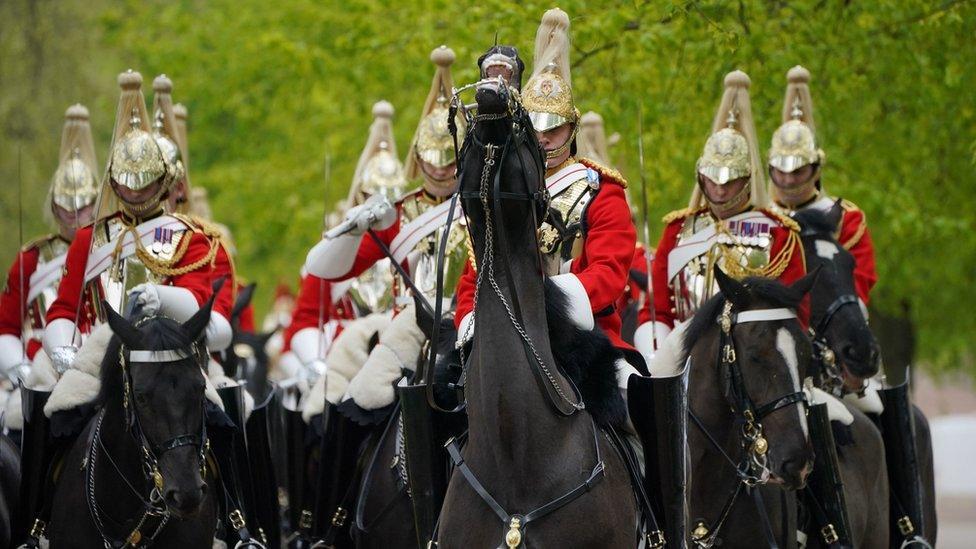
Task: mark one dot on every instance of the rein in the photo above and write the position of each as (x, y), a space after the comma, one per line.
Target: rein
(154, 507)
(830, 374)
(491, 203)
(752, 469)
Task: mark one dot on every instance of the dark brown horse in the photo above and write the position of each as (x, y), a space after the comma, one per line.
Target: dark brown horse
(536, 471)
(138, 470)
(846, 354)
(749, 443)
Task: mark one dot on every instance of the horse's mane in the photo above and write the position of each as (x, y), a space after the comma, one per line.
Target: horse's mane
(815, 221)
(158, 334)
(767, 290)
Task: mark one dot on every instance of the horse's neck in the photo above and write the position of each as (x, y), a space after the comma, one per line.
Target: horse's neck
(707, 401)
(113, 495)
(510, 418)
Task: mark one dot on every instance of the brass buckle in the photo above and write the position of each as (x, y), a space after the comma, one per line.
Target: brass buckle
(236, 519)
(905, 526)
(514, 536)
(829, 534)
(655, 539)
(700, 532)
(305, 522)
(134, 538)
(38, 528)
(339, 518)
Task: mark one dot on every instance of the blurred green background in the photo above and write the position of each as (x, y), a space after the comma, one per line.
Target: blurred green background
(273, 88)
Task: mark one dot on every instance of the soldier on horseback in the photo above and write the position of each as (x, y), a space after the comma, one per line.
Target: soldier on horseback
(407, 232)
(33, 278)
(729, 222)
(134, 254)
(795, 163)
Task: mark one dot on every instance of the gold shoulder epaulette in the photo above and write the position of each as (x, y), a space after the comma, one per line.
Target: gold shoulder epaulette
(38, 242)
(782, 218)
(681, 214)
(605, 171)
(848, 205)
(197, 223)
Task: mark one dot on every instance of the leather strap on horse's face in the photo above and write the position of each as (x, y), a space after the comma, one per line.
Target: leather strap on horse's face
(150, 450)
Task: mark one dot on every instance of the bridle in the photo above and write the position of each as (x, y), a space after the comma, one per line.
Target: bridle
(490, 196)
(831, 379)
(752, 468)
(154, 507)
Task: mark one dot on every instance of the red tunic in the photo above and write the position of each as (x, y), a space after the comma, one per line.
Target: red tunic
(199, 282)
(316, 293)
(13, 301)
(634, 289)
(855, 237)
(664, 308)
(603, 266)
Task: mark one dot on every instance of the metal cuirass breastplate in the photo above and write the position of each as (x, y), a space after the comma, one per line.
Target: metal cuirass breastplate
(740, 245)
(561, 239)
(125, 273)
(34, 321)
(372, 291)
(423, 258)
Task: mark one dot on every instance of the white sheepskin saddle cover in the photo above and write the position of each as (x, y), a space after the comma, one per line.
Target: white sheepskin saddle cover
(870, 403)
(346, 356)
(80, 384)
(399, 346)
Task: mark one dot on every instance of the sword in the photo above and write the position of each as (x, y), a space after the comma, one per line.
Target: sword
(647, 238)
(20, 262)
(322, 297)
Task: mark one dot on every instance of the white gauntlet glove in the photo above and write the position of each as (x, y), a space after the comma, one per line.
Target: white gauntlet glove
(61, 340)
(147, 296)
(13, 363)
(180, 304)
(375, 213)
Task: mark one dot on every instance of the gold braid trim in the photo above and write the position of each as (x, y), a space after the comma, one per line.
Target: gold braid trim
(852, 241)
(159, 266)
(782, 218)
(605, 171)
(776, 264)
(681, 214)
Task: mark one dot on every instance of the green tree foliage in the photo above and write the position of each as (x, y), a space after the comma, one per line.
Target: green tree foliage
(275, 88)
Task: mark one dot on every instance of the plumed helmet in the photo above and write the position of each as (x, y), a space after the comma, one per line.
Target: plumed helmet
(548, 95)
(379, 171)
(794, 143)
(75, 182)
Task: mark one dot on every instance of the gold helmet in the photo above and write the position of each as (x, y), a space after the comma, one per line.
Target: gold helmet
(794, 142)
(548, 95)
(432, 141)
(379, 171)
(135, 160)
(731, 151)
(75, 183)
(164, 129)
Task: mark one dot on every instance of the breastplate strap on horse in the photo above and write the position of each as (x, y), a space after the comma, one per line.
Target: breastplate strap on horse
(752, 470)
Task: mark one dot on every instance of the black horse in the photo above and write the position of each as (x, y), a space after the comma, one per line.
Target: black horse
(535, 469)
(9, 487)
(846, 355)
(749, 447)
(139, 471)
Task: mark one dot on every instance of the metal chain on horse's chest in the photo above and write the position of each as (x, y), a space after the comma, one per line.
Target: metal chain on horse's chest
(488, 262)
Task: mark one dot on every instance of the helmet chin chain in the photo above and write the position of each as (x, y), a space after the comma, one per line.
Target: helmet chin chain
(731, 205)
(560, 150)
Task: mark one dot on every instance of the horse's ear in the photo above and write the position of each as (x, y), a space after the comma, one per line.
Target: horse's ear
(803, 286)
(195, 325)
(243, 299)
(836, 213)
(121, 327)
(732, 289)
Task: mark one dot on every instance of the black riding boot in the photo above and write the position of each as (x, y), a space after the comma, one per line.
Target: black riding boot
(424, 433)
(904, 473)
(658, 409)
(297, 452)
(266, 510)
(341, 448)
(825, 488)
(37, 452)
(229, 451)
